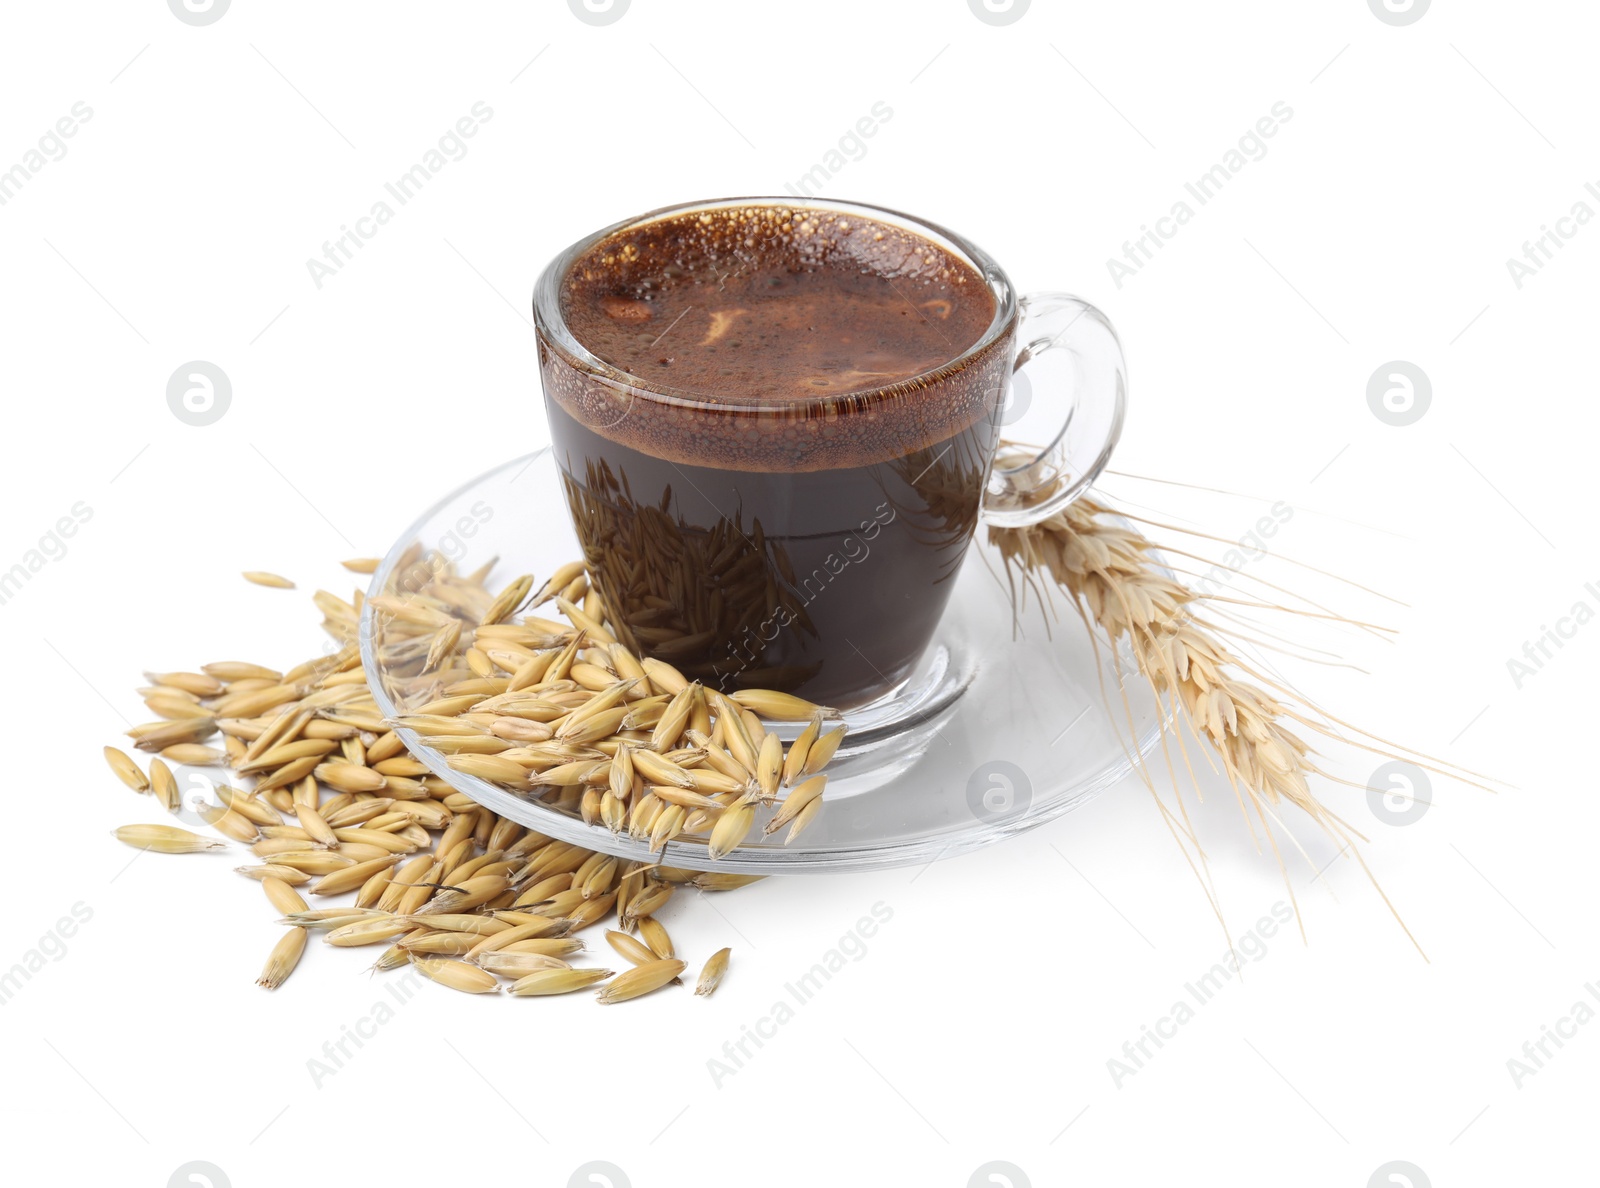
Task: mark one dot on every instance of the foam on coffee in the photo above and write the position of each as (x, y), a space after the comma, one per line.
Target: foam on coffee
(778, 338)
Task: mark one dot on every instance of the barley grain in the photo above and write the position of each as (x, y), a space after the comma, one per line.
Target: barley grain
(519, 965)
(283, 959)
(284, 874)
(639, 981)
(769, 767)
(654, 934)
(165, 839)
(822, 751)
(366, 930)
(716, 968)
(718, 881)
(262, 578)
(194, 755)
(803, 819)
(312, 862)
(457, 975)
(126, 770)
(235, 670)
(796, 802)
(228, 822)
(282, 896)
(799, 751)
(157, 736)
(350, 877)
(780, 707)
(199, 684)
(557, 981)
(731, 829)
(633, 950)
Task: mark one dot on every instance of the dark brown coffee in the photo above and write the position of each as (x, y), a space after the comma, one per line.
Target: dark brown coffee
(781, 319)
(777, 483)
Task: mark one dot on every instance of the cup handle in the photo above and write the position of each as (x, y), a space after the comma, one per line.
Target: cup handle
(1068, 346)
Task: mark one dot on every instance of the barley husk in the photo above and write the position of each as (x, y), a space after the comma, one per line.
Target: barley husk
(282, 896)
(715, 970)
(633, 950)
(262, 578)
(780, 707)
(283, 959)
(166, 839)
(639, 981)
(654, 934)
(457, 975)
(126, 770)
(556, 981)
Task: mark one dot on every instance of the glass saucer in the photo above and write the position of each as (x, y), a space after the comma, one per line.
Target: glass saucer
(1002, 726)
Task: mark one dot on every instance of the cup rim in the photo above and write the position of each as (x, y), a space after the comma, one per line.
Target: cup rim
(554, 333)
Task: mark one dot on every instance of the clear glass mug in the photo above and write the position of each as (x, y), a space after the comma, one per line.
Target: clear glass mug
(811, 545)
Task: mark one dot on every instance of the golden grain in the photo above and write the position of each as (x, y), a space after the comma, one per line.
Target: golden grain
(469, 894)
(822, 751)
(519, 965)
(457, 975)
(438, 944)
(248, 806)
(318, 829)
(647, 902)
(200, 684)
(228, 822)
(312, 862)
(509, 600)
(719, 881)
(494, 768)
(769, 766)
(283, 959)
(374, 888)
(165, 839)
(393, 843)
(157, 736)
(193, 755)
(633, 950)
(794, 803)
(716, 968)
(284, 874)
(349, 777)
(235, 670)
(175, 705)
(562, 709)
(803, 819)
(640, 980)
(654, 934)
(663, 676)
(731, 829)
(557, 981)
(282, 896)
(126, 770)
(334, 917)
(780, 707)
(262, 578)
(800, 750)
(590, 911)
(350, 877)
(656, 769)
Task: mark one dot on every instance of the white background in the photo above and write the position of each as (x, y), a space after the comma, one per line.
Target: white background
(979, 1024)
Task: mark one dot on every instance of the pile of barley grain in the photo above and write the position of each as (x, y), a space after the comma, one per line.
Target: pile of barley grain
(557, 711)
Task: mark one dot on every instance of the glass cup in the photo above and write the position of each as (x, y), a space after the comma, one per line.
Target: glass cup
(810, 545)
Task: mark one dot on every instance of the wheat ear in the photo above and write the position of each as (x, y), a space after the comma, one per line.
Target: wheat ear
(1115, 577)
